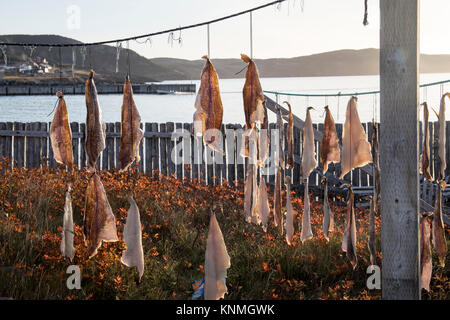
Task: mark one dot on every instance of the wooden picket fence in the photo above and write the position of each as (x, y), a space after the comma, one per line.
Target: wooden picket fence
(28, 145)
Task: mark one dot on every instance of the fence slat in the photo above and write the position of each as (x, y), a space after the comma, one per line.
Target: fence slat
(240, 161)
(187, 157)
(82, 146)
(148, 151)
(179, 152)
(75, 127)
(163, 149)
(170, 127)
(155, 148)
(230, 144)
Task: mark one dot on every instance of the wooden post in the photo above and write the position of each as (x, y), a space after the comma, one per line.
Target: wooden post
(399, 71)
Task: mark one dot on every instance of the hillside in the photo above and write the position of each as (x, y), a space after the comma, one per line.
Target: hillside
(103, 60)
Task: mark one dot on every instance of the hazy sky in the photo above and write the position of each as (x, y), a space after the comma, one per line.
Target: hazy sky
(323, 25)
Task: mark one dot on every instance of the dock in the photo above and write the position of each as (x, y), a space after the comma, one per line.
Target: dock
(151, 88)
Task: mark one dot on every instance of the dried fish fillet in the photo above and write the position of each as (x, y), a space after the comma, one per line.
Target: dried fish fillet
(61, 134)
(309, 154)
(328, 215)
(133, 256)
(248, 192)
(329, 150)
(209, 109)
(439, 241)
(99, 220)
(442, 138)
(349, 238)
(67, 249)
(424, 167)
(263, 204)
(426, 263)
(217, 261)
(255, 109)
(290, 138)
(95, 126)
(279, 161)
(131, 132)
(355, 148)
(289, 214)
(277, 214)
(306, 218)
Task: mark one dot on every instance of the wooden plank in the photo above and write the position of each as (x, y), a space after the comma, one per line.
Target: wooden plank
(82, 147)
(399, 98)
(155, 149)
(2, 141)
(75, 127)
(240, 161)
(163, 149)
(111, 148)
(230, 146)
(44, 145)
(187, 153)
(148, 151)
(432, 149)
(224, 156)
(117, 130)
(179, 152)
(28, 146)
(170, 127)
(141, 151)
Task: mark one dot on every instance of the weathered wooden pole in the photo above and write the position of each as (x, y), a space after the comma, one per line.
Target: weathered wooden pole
(399, 80)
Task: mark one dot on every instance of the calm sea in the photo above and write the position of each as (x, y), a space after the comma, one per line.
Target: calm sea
(180, 107)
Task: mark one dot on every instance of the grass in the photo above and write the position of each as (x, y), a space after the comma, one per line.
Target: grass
(175, 218)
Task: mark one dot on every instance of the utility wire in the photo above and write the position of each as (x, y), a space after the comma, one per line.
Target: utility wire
(145, 35)
(345, 94)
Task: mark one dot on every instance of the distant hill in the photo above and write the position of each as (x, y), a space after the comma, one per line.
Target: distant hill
(103, 61)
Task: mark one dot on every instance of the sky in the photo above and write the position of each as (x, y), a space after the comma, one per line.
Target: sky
(288, 31)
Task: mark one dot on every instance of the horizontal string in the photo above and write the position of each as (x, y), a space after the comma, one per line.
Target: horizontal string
(345, 94)
(144, 35)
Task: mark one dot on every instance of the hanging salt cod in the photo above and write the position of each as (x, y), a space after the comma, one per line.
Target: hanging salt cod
(263, 204)
(131, 132)
(309, 155)
(306, 218)
(255, 109)
(277, 215)
(289, 213)
(217, 261)
(67, 249)
(290, 137)
(209, 109)
(95, 126)
(349, 237)
(251, 185)
(439, 241)
(99, 220)
(133, 256)
(442, 138)
(329, 152)
(328, 215)
(355, 147)
(426, 263)
(424, 167)
(61, 134)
